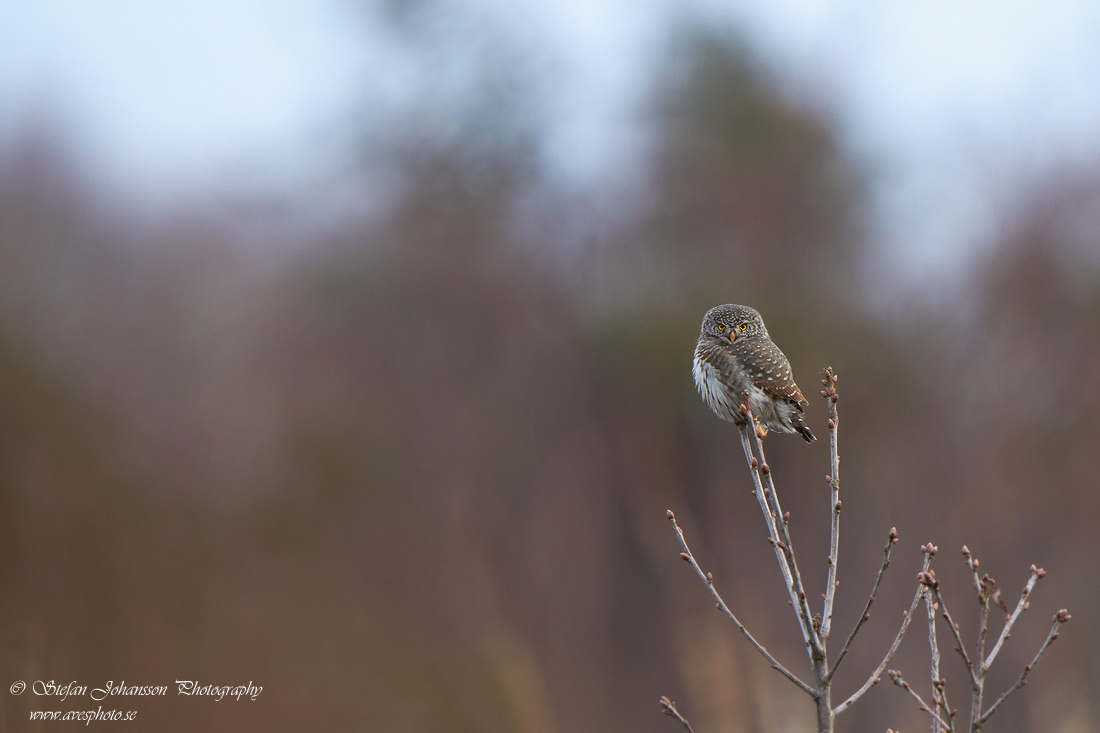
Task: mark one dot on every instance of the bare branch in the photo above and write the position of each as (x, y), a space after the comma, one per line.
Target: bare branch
(960, 647)
(874, 678)
(709, 581)
(670, 709)
(1059, 618)
(784, 546)
(939, 690)
(942, 688)
(816, 629)
(972, 563)
(891, 541)
(983, 586)
(1036, 574)
(895, 677)
(978, 690)
(830, 395)
(983, 630)
(783, 551)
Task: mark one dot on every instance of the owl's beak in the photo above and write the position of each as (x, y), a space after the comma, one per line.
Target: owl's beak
(733, 336)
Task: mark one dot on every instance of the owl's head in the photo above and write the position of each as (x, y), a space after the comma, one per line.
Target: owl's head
(731, 322)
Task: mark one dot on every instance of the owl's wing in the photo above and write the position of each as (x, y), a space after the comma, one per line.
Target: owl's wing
(772, 374)
(784, 389)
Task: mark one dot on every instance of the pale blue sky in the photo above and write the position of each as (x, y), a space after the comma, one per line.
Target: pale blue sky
(951, 104)
(167, 93)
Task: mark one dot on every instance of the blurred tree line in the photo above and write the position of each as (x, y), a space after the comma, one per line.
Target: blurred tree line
(411, 474)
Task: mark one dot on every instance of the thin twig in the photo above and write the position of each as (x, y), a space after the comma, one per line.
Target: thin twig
(977, 672)
(830, 395)
(670, 709)
(960, 647)
(972, 563)
(946, 708)
(794, 589)
(798, 592)
(1036, 574)
(874, 678)
(895, 677)
(709, 581)
(871, 599)
(983, 629)
(939, 693)
(1059, 618)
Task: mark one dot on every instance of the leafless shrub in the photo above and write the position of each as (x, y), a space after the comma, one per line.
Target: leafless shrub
(816, 628)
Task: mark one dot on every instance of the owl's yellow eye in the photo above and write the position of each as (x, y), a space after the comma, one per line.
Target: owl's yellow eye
(743, 326)
(721, 327)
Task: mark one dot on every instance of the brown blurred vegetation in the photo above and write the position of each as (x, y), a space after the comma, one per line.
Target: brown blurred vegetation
(411, 474)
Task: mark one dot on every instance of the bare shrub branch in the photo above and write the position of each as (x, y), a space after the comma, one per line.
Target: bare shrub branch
(815, 630)
(939, 689)
(831, 397)
(876, 675)
(1036, 575)
(895, 677)
(708, 580)
(866, 615)
(1059, 618)
(670, 709)
(777, 528)
(988, 593)
(960, 646)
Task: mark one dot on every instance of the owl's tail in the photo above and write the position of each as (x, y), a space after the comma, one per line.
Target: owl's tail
(804, 431)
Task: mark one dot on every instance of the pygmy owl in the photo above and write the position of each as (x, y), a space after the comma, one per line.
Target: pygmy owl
(735, 356)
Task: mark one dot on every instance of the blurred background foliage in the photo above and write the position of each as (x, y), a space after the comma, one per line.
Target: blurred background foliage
(409, 470)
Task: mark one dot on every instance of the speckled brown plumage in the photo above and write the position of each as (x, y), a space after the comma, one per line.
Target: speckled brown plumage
(734, 356)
